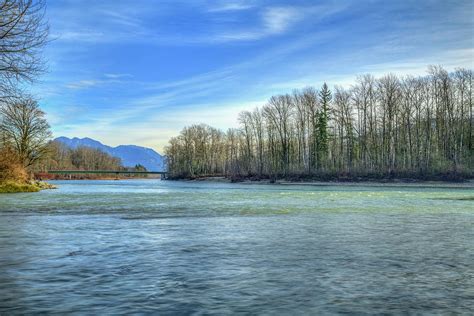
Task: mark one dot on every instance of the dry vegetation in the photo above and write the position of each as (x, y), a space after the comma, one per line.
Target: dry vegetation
(10, 167)
(13, 176)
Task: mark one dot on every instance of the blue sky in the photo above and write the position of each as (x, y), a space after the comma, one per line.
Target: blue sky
(137, 72)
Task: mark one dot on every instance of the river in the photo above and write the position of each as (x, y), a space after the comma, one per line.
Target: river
(164, 247)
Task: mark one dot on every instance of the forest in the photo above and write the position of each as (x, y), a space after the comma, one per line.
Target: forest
(61, 157)
(380, 128)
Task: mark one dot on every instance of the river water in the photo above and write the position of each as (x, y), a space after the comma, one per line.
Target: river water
(162, 247)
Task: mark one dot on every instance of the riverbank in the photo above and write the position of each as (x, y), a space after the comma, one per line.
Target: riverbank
(341, 181)
(24, 187)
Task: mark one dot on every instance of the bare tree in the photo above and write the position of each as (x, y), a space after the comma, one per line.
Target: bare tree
(416, 126)
(23, 33)
(23, 127)
(311, 103)
(279, 112)
(245, 120)
(258, 130)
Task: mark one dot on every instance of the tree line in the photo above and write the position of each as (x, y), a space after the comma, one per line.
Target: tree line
(391, 126)
(62, 157)
(24, 131)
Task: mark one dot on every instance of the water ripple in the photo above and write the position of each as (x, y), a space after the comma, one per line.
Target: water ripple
(152, 247)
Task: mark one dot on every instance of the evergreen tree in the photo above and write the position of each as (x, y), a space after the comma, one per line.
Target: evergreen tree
(323, 135)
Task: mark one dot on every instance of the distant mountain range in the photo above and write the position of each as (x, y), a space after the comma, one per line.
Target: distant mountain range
(130, 155)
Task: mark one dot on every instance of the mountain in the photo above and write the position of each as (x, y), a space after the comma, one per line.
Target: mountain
(130, 155)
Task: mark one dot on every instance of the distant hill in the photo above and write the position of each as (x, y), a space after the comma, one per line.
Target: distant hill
(130, 155)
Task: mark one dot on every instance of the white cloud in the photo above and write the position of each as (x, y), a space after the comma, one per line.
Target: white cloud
(121, 18)
(117, 76)
(230, 6)
(273, 21)
(83, 84)
(82, 35)
(278, 20)
(107, 22)
(90, 83)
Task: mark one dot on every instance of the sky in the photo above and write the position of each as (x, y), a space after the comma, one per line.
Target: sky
(138, 71)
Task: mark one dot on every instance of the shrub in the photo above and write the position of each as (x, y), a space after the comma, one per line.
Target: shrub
(10, 167)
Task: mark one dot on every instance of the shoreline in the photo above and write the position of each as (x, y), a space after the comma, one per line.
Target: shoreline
(36, 186)
(402, 182)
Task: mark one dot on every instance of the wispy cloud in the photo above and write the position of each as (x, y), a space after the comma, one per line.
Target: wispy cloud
(107, 79)
(118, 24)
(121, 18)
(82, 84)
(83, 35)
(118, 76)
(230, 6)
(278, 20)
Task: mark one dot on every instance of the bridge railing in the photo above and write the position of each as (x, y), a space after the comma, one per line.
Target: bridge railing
(163, 174)
(104, 172)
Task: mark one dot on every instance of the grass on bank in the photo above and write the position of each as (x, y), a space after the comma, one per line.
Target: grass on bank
(15, 187)
(19, 187)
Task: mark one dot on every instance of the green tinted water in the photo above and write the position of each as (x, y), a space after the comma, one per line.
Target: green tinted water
(185, 247)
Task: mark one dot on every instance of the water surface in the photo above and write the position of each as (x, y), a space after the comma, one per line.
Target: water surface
(153, 246)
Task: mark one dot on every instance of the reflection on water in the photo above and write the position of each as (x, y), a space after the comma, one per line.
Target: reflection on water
(172, 247)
